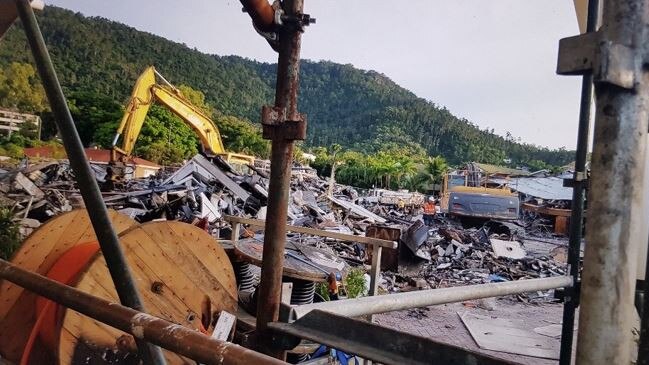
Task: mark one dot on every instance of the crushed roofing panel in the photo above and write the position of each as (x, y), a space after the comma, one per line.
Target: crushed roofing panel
(549, 188)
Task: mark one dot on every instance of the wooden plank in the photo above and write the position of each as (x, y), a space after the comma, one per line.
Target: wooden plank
(236, 231)
(561, 225)
(167, 308)
(546, 210)
(318, 232)
(18, 121)
(9, 128)
(375, 271)
(28, 185)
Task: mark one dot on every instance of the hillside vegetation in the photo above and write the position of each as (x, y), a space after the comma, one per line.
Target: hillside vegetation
(98, 61)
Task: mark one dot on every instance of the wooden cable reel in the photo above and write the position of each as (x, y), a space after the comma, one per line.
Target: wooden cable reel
(38, 253)
(182, 274)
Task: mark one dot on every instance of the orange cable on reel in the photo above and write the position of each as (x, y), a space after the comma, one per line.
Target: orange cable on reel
(65, 270)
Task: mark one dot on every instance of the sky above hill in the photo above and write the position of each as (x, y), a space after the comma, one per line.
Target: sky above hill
(490, 61)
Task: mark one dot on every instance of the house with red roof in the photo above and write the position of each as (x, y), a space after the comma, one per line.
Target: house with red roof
(141, 167)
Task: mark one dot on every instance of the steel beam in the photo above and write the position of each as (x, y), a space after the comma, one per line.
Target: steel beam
(381, 344)
(182, 340)
(386, 303)
(108, 241)
(615, 197)
(571, 297)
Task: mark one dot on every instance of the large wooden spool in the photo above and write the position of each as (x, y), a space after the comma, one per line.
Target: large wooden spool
(178, 269)
(37, 254)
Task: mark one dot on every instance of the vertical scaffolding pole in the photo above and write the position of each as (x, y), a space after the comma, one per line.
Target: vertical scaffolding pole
(615, 195)
(578, 191)
(282, 124)
(108, 241)
(643, 347)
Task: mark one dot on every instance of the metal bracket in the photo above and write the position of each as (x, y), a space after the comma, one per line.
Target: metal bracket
(576, 292)
(577, 54)
(276, 125)
(610, 62)
(580, 177)
(299, 20)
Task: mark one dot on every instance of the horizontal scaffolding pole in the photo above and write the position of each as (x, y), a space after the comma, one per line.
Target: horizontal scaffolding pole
(142, 326)
(316, 232)
(424, 298)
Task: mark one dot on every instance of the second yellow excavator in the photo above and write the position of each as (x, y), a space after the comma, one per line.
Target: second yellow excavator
(145, 93)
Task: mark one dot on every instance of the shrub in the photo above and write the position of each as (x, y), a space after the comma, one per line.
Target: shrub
(9, 234)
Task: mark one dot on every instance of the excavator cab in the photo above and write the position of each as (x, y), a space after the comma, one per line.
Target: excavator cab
(465, 196)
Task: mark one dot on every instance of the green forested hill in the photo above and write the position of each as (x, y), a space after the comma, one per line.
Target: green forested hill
(358, 109)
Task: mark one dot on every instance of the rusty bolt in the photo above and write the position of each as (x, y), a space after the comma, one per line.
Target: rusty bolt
(191, 316)
(157, 287)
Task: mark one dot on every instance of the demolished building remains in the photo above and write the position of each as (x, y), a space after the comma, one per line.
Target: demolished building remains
(219, 241)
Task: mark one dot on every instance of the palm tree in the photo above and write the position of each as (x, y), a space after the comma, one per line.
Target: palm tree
(436, 167)
(407, 167)
(418, 181)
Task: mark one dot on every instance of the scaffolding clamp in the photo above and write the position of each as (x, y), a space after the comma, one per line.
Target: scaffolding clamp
(610, 62)
(278, 125)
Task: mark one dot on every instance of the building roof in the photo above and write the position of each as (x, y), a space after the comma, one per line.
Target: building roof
(501, 170)
(548, 188)
(93, 154)
(103, 156)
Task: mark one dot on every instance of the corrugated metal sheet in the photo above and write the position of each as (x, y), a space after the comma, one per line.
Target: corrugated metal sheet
(549, 188)
(357, 209)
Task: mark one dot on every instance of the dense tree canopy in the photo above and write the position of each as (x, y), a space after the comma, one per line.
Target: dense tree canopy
(20, 88)
(363, 111)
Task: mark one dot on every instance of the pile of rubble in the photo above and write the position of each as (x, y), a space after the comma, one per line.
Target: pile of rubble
(202, 191)
(446, 254)
(38, 192)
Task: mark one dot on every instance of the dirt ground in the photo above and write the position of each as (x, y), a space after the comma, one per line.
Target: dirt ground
(442, 323)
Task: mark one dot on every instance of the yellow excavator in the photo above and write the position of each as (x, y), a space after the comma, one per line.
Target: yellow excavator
(467, 194)
(145, 93)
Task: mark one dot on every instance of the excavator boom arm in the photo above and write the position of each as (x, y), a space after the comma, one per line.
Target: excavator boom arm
(196, 119)
(136, 110)
(145, 92)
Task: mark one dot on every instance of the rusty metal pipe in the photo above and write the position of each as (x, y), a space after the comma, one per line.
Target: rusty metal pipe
(108, 241)
(142, 326)
(262, 14)
(578, 195)
(288, 68)
(424, 298)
